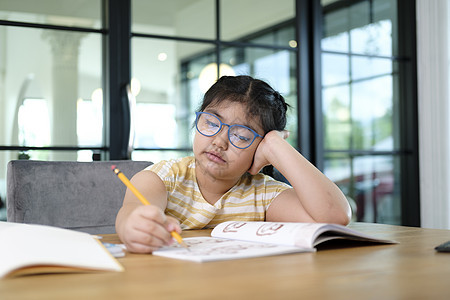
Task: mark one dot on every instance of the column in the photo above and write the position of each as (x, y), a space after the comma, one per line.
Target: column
(63, 105)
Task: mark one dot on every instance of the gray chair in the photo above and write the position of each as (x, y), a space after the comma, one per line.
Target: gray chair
(83, 196)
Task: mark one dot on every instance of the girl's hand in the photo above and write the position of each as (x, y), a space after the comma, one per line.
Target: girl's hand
(147, 228)
(262, 157)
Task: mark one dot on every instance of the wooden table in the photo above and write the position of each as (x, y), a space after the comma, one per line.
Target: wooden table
(411, 269)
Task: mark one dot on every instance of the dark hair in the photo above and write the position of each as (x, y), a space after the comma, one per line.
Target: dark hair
(261, 100)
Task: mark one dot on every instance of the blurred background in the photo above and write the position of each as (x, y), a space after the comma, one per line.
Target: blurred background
(91, 80)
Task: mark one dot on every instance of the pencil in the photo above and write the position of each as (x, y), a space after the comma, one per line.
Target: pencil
(143, 200)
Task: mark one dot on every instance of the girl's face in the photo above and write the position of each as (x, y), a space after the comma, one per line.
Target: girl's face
(215, 156)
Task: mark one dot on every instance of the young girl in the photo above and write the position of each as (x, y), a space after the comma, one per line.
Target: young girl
(239, 130)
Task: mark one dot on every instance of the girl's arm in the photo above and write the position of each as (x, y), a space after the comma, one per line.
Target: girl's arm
(314, 197)
(142, 228)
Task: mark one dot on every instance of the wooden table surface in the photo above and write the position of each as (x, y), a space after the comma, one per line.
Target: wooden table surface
(411, 269)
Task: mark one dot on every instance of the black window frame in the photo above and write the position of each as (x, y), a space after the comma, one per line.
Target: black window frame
(117, 35)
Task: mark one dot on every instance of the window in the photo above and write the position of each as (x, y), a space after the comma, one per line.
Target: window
(175, 60)
(353, 109)
(53, 66)
(363, 100)
(50, 64)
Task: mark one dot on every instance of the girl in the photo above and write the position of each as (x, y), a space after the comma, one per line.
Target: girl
(239, 130)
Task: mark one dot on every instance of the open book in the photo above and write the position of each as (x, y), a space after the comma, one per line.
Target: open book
(37, 249)
(233, 240)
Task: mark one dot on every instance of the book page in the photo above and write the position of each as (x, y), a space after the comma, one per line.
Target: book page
(304, 235)
(281, 233)
(204, 249)
(32, 248)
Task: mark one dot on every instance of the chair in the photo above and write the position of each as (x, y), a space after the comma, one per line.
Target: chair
(83, 196)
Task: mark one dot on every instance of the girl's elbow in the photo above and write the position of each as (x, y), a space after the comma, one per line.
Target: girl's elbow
(346, 219)
(344, 211)
(345, 216)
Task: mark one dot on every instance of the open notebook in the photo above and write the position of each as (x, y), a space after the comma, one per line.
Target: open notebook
(234, 240)
(37, 249)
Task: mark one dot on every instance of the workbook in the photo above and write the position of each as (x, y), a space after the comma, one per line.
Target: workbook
(36, 249)
(234, 240)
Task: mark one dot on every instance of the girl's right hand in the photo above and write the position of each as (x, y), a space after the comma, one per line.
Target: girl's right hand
(147, 228)
(263, 153)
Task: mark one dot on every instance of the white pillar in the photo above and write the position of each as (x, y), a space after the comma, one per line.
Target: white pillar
(63, 108)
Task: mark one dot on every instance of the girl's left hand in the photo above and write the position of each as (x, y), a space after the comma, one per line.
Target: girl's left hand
(262, 157)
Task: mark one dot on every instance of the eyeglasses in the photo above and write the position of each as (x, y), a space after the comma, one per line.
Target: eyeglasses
(239, 136)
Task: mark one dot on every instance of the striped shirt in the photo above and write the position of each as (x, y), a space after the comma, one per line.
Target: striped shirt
(248, 200)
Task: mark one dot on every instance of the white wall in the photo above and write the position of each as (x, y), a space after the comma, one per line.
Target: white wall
(433, 92)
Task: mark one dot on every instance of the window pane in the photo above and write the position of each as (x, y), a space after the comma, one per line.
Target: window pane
(76, 13)
(156, 156)
(49, 98)
(337, 122)
(54, 155)
(360, 99)
(337, 167)
(34, 123)
(376, 198)
(370, 183)
(170, 90)
(335, 69)
(335, 31)
(366, 26)
(338, 42)
(359, 14)
(385, 17)
(373, 39)
(372, 112)
(273, 66)
(185, 18)
(244, 18)
(366, 67)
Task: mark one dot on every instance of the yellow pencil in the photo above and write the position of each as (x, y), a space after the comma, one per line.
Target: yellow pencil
(144, 201)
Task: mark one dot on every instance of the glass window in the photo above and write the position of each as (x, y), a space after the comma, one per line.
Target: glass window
(51, 82)
(58, 73)
(335, 69)
(174, 75)
(90, 120)
(270, 65)
(182, 18)
(241, 19)
(375, 39)
(366, 67)
(73, 13)
(47, 82)
(33, 123)
(171, 84)
(360, 102)
(155, 156)
(337, 121)
(336, 36)
(273, 66)
(372, 114)
(370, 183)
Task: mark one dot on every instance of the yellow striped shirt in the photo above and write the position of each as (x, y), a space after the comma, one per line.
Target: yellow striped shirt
(248, 200)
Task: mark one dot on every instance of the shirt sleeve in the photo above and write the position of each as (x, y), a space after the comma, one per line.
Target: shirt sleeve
(165, 171)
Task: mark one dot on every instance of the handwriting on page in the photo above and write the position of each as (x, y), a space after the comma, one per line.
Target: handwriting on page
(265, 229)
(213, 246)
(212, 249)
